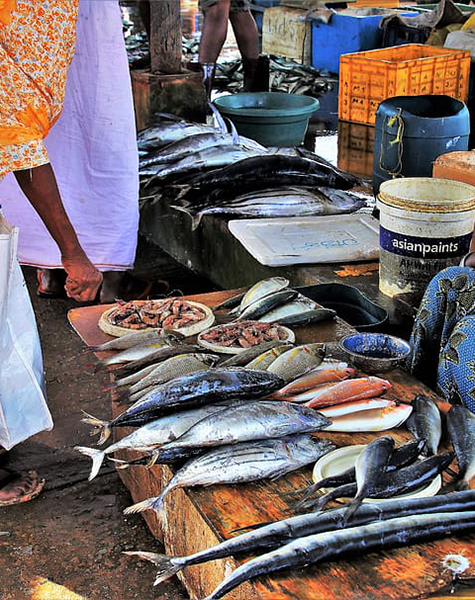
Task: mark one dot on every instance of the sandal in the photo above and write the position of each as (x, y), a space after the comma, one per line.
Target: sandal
(23, 487)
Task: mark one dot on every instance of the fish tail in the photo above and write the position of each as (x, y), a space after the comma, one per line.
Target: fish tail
(120, 464)
(97, 459)
(354, 505)
(219, 118)
(155, 503)
(102, 427)
(167, 565)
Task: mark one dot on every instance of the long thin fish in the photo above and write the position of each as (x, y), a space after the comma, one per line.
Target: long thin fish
(240, 463)
(309, 317)
(274, 535)
(133, 339)
(264, 305)
(260, 290)
(136, 352)
(364, 538)
(326, 372)
(349, 390)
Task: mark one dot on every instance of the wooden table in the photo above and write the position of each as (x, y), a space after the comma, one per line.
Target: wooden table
(198, 518)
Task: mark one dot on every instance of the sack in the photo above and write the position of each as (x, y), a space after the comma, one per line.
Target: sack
(23, 408)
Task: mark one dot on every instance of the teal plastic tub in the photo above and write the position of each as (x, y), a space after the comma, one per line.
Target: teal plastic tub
(270, 118)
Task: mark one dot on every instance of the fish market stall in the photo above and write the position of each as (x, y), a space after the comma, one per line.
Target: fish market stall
(196, 518)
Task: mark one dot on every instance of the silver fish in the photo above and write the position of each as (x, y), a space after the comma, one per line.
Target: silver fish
(251, 421)
(330, 545)
(461, 426)
(135, 352)
(249, 354)
(176, 366)
(264, 305)
(275, 535)
(153, 434)
(297, 361)
(260, 290)
(296, 307)
(240, 463)
(166, 132)
(425, 422)
(134, 377)
(263, 361)
(136, 338)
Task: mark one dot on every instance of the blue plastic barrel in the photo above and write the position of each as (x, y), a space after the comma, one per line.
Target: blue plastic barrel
(412, 131)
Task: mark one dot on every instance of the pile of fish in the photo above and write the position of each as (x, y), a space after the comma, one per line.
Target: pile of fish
(201, 170)
(285, 75)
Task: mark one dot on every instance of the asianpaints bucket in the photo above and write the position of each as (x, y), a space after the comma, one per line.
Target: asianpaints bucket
(426, 225)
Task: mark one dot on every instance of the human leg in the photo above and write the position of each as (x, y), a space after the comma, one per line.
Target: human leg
(39, 186)
(449, 297)
(255, 67)
(215, 29)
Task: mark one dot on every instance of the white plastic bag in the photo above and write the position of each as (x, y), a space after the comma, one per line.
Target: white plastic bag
(23, 408)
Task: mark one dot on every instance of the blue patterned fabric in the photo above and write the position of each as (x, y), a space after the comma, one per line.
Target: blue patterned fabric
(443, 336)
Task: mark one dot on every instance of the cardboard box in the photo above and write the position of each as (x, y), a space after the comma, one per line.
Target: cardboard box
(286, 33)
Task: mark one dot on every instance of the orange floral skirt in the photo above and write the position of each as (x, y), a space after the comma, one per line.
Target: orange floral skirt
(37, 42)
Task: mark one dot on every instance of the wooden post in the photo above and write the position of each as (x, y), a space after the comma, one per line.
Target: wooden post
(165, 42)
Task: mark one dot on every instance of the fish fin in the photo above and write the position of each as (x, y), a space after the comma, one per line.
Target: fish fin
(219, 119)
(102, 427)
(164, 563)
(234, 131)
(154, 503)
(97, 459)
(152, 461)
(195, 217)
(254, 526)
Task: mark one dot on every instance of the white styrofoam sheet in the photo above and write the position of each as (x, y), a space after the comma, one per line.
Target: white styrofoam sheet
(305, 240)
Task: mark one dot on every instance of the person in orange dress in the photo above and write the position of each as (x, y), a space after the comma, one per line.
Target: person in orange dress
(37, 41)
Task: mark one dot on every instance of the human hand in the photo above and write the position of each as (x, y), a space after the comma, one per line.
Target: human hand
(83, 280)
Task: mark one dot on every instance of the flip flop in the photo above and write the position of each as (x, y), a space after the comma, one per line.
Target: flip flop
(13, 477)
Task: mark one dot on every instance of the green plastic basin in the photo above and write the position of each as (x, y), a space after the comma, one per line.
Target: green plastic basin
(270, 118)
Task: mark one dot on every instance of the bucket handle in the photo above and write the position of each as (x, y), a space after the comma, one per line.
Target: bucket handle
(398, 140)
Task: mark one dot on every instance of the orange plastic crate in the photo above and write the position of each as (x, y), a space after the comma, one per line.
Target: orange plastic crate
(368, 78)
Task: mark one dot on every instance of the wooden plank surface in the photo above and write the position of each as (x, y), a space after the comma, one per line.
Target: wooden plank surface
(200, 517)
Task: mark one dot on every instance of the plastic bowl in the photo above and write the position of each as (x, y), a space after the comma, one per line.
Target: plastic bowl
(375, 352)
(270, 118)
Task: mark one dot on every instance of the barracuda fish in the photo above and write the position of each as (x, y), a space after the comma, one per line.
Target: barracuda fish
(425, 422)
(389, 416)
(399, 531)
(153, 434)
(275, 535)
(138, 338)
(213, 157)
(238, 463)
(260, 290)
(326, 372)
(395, 483)
(261, 204)
(297, 361)
(461, 427)
(263, 361)
(370, 466)
(192, 391)
(166, 132)
(264, 305)
(250, 422)
(345, 391)
(176, 366)
(400, 457)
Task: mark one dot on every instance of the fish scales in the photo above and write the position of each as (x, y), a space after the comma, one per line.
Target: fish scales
(297, 361)
(263, 361)
(461, 427)
(249, 354)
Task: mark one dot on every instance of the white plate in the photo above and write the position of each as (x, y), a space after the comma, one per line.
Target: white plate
(345, 457)
(290, 339)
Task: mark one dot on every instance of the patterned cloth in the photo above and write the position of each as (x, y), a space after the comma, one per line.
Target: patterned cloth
(443, 336)
(37, 39)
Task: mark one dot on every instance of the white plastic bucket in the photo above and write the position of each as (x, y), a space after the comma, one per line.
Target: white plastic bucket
(426, 225)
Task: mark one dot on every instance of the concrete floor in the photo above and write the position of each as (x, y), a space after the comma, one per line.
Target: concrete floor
(74, 533)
